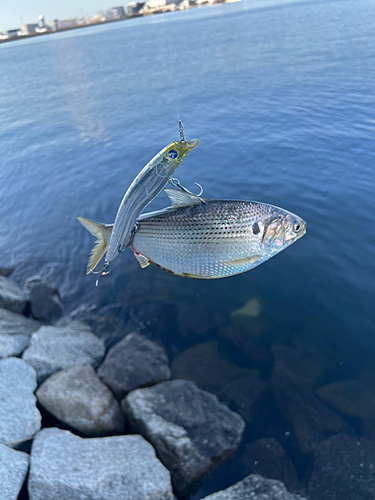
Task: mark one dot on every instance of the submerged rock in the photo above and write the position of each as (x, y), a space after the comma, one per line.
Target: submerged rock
(257, 354)
(15, 331)
(303, 365)
(344, 469)
(45, 302)
(19, 416)
(267, 458)
(349, 397)
(310, 420)
(78, 398)
(190, 429)
(13, 469)
(52, 349)
(103, 321)
(207, 367)
(11, 296)
(195, 319)
(64, 466)
(245, 395)
(132, 363)
(255, 487)
(155, 318)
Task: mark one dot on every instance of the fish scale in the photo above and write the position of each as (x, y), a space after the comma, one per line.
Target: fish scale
(209, 239)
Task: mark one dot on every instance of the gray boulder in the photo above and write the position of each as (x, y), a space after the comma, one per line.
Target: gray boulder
(11, 296)
(15, 331)
(19, 416)
(255, 487)
(64, 466)
(267, 458)
(52, 349)
(45, 303)
(190, 429)
(132, 363)
(13, 469)
(78, 398)
(344, 469)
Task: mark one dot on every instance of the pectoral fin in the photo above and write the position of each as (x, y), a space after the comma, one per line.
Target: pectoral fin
(247, 262)
(143, 261)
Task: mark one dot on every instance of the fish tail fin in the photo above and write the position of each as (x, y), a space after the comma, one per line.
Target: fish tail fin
(102, 232)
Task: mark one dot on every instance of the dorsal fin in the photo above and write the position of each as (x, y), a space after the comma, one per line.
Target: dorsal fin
(180, 198)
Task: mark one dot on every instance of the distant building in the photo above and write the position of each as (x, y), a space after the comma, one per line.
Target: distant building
(132, 9)
(28, 29)
(117, 12)
(64, 24)
(12, 33)
(110, 15)
(53, 24)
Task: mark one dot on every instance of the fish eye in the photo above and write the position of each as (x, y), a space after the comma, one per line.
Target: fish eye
(256, 229)
(296, 227)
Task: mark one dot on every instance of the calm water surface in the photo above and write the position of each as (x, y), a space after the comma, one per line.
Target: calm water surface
(282, 100)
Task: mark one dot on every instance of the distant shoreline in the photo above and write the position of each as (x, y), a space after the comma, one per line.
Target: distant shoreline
(33, 35)
(98, 23)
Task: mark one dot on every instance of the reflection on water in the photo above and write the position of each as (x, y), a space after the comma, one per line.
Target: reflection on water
(282, 102)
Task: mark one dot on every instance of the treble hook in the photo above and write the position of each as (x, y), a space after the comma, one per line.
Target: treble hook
(103, 272)
(181, 130)
(176, 183)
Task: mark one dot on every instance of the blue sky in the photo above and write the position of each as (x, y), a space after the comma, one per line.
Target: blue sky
(13, 13)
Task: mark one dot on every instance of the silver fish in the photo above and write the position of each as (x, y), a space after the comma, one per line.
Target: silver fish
(208, 239)
(148, 184)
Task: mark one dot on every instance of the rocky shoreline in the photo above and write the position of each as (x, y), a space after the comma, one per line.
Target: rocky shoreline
(83, 418)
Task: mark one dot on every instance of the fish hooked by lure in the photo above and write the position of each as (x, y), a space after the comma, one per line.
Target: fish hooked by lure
(208, 239)
(148, 184)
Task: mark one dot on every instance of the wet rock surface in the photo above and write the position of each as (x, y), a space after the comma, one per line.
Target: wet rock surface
(13, 469)
(255, 487)
(344, 468)
(15, 331)
(45, 302)
(56, 348)
(64, 466)
(6, 271)
(78, 398)
(134, 362)
(268, 458)
(11, 296)
(190, 429)
(19, 416)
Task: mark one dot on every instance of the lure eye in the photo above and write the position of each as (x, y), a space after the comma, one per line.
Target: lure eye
(296, 227)
(172, 154)
(256, 229)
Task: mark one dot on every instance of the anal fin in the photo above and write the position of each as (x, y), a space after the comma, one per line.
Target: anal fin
(143, 261)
